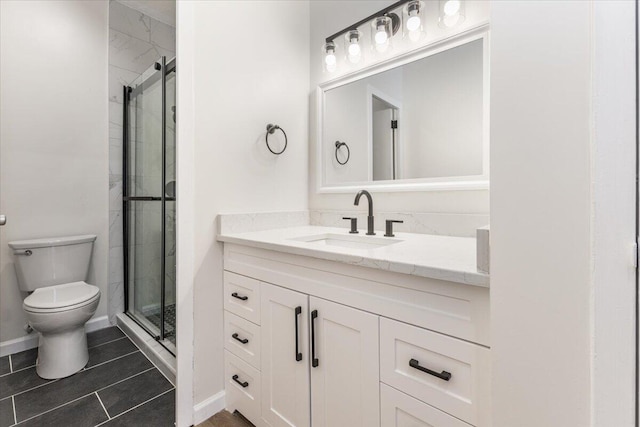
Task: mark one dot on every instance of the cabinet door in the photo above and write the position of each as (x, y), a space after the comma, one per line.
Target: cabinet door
(345, 368)
(285, 359)
(401, 410)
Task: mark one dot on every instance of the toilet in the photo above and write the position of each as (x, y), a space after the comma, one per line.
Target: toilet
(60, 302)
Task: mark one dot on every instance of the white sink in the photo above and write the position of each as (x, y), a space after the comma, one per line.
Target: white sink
(354, 241)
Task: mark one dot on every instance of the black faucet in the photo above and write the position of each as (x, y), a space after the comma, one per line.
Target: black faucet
(370, 216)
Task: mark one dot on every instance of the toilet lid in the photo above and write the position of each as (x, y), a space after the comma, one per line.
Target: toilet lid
(60, 296)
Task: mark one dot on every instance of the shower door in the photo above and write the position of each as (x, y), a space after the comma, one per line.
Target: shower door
(149, 201)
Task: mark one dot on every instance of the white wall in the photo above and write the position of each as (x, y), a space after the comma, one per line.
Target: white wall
(53, 135)
(259, 75)
(327, 17)
(562, 213)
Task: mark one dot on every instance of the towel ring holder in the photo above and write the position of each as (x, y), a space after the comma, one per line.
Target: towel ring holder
(338, 145)
(270, 131)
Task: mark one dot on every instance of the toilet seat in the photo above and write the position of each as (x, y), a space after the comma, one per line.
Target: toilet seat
(59, 298)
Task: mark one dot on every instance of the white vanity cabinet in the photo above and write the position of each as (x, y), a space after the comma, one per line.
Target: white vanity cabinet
(349, 346)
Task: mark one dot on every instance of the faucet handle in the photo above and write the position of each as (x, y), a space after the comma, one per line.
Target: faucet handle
(354, 224)
(389, 227)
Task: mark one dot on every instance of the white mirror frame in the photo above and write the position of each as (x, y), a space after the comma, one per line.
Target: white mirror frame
(474, 182)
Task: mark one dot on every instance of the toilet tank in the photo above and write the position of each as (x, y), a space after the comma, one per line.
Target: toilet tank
(53, 261)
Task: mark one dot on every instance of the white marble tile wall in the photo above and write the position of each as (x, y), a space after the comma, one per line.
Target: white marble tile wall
(136, 41)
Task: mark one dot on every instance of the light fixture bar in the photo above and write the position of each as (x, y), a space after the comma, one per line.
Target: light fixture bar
(367, 19)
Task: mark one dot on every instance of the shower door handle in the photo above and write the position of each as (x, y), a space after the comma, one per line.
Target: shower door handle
(3, 219)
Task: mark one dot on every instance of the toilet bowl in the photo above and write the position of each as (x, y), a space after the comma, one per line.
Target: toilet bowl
(59, 313)
(53, 271)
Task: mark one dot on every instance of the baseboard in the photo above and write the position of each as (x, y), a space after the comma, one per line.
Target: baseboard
(31, 341)
(209, 407)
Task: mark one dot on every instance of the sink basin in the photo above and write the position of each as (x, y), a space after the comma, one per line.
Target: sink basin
(353, 241)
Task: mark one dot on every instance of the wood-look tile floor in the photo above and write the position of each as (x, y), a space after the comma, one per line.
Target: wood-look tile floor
(226, 419)
(118, 387)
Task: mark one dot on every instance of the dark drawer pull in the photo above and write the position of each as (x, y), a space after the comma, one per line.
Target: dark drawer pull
(298, 311)
(444, 375)
(243, 298)
(242, 340)
(314, 360)
(243, 384)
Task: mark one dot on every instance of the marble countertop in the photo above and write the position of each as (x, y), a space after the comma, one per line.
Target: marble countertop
(439, 257)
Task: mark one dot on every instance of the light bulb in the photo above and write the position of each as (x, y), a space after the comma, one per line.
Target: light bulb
(381, 36)
(451, 7)
(354, 49)
(413, 23)
(330, 59)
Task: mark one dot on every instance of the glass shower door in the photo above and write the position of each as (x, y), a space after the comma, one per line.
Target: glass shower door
(149, 227)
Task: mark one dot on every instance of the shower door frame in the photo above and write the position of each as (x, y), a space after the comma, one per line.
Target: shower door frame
(165, 68)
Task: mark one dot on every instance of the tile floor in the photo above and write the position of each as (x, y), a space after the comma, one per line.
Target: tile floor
(118, 387)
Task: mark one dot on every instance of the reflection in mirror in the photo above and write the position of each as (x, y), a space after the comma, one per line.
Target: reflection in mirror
(419, 122)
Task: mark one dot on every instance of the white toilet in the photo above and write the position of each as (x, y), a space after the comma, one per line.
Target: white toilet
(60, 302)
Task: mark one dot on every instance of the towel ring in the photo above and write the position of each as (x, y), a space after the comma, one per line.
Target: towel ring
(338, 145)
(270, 131)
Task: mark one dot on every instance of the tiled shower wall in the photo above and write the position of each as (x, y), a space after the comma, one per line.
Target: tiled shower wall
(136, 41)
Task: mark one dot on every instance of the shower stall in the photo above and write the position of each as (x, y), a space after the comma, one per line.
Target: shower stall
(149, 201)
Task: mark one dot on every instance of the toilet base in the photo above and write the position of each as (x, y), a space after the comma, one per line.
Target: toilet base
(62, 354)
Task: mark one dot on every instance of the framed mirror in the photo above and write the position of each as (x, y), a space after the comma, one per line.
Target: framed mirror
(417, 122)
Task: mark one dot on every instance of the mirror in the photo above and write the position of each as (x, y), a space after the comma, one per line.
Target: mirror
(420, 122)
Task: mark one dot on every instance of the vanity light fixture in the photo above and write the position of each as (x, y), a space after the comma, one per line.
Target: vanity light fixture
(451, 13)
(385, 24)
(354, 51)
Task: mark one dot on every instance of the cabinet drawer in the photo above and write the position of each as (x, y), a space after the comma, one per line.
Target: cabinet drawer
(400, 410)
(242, 296)
(242, 338)
(447, 373)
(242, 386)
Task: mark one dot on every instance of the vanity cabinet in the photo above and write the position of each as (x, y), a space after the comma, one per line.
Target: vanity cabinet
(317, 343)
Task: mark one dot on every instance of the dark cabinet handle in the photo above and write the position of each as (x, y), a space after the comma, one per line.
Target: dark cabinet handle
(298, 353)
(242, 340)
(243, 384)
(314, 359)
(444, 375)
(243, 298)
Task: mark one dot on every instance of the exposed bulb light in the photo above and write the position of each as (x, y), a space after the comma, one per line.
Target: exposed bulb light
(381, 36)
(354, 50)
(414, 20)
(330, 60)
(413, 23)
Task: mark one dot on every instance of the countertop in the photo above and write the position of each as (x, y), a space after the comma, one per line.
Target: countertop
(439, 257)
